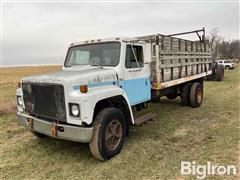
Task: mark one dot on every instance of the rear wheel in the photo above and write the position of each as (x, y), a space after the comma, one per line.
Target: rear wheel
(185, 94)
(109, 133)
(196, 95)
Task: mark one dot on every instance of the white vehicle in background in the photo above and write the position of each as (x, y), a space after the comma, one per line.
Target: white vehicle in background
(227, 64)
(104, 81)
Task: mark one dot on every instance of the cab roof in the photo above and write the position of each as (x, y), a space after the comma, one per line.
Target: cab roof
(113, 39)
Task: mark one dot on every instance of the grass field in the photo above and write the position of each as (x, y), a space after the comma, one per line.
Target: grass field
(9, 79)
(153, 151)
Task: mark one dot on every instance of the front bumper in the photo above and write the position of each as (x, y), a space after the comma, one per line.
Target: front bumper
(61, 131)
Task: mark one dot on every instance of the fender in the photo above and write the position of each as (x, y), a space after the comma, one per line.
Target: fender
(129, 106)
(89, 100)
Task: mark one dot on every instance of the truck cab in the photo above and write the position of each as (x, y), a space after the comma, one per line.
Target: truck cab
(126, 59)
(98, 77)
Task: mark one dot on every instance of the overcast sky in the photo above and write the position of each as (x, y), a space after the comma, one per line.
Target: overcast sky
(39, 33)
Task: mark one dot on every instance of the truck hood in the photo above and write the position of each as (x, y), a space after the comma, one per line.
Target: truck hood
(77, 75)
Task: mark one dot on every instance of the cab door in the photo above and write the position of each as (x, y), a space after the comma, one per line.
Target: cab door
(136, 78)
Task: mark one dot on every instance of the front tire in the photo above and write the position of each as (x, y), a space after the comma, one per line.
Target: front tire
(109, 133)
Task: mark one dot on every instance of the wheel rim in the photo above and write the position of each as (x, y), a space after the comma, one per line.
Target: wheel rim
(113, 134)
(199, 95)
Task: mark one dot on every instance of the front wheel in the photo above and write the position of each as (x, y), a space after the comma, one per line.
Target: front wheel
(109, 133)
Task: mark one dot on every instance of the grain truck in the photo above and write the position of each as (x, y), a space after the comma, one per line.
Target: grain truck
(93, 99)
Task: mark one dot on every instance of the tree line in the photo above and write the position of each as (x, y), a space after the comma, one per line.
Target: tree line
(223, 49)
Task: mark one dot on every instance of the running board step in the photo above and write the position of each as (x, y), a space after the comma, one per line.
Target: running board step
(143, 119)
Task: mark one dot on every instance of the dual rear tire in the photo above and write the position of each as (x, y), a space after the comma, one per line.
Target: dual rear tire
(196, 95)
(192, 94)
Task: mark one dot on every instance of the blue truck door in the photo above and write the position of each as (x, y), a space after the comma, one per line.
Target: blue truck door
(136, 82)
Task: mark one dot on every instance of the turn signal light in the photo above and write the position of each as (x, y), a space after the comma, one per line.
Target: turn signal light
(83, 89)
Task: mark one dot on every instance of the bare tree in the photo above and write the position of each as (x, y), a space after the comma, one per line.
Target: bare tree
(222, 49)
(229, 49)
(235, 49)
(214, 39)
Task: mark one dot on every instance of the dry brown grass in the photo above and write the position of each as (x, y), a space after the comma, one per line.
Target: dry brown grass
(153, 151)
(10, 76)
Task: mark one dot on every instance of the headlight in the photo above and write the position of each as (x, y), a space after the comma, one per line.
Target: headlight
(74, 110)
(19, 100)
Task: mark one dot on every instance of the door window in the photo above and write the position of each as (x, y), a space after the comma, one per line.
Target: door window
(130, 57)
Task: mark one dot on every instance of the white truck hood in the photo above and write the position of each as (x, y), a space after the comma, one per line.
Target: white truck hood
(81, 75)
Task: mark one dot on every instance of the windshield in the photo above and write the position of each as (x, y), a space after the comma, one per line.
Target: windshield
(101, 54)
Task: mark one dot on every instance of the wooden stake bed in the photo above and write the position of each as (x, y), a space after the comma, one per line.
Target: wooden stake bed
(174, 58)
